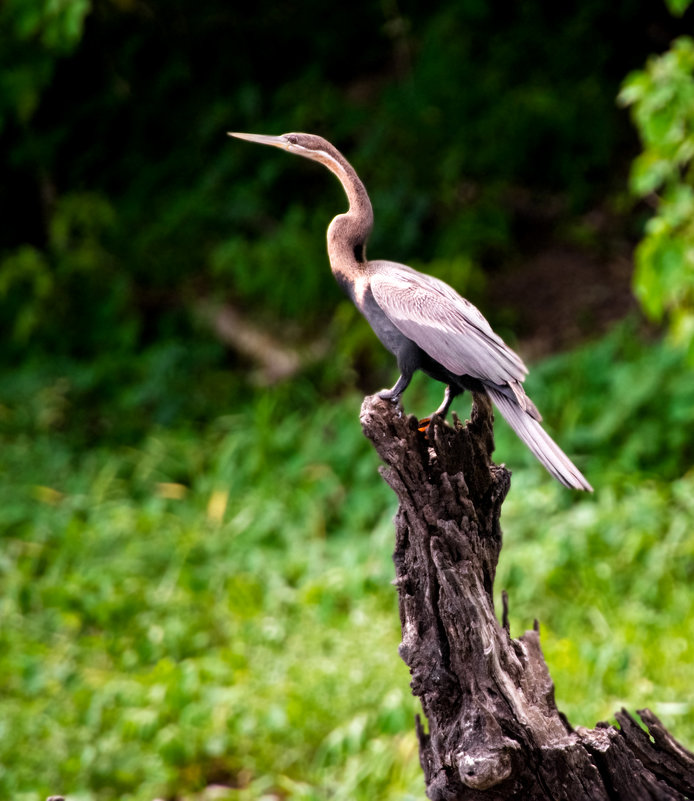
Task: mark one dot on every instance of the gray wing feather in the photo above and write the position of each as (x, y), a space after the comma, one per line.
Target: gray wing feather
(445, 325)
(452, 331)
(546, 450)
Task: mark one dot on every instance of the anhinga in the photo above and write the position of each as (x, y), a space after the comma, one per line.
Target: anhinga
(421, 320)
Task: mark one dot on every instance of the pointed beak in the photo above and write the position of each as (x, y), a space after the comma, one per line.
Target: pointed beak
(275, 141)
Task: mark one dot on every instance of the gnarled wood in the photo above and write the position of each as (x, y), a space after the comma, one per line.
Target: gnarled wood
(494, 729)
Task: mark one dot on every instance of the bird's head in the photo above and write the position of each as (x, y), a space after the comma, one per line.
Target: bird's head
(309, 146)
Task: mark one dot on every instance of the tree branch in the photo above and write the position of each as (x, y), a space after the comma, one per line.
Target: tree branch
(276, 361)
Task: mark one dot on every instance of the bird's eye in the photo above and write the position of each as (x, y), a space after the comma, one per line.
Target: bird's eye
(293, 140)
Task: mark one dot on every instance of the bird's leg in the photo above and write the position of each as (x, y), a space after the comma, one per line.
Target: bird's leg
(448, 396)
(394, 393)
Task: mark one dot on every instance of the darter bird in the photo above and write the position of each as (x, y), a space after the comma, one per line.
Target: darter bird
(422, 321)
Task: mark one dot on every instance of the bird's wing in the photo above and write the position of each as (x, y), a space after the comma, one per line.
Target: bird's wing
(444, 325)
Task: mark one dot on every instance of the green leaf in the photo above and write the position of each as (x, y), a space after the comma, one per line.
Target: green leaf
(678, 7)
(648, 173)
(662, 106)
(634, 87)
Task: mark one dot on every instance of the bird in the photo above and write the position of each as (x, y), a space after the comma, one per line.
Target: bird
(423, 321)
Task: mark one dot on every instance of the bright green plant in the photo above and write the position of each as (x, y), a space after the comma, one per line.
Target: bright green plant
(661, 98)
(212, 605)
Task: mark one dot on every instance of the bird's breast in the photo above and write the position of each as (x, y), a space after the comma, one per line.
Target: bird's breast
(361, 291)
(354, 283)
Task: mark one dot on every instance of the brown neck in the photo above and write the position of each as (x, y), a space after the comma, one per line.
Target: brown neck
(348, 233)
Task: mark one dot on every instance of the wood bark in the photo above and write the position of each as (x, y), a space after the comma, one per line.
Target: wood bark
(494, 730)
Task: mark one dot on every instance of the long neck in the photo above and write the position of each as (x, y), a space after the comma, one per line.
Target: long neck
(347, 233)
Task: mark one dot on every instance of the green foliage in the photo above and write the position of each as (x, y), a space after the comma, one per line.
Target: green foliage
(662, 100)
(618, 569)
(72, 286)
(678, 7)
(294, 253)
(163, 606)
(632, 395)
(35, 35)
(214, 604)
(446, 113)
(189, 596)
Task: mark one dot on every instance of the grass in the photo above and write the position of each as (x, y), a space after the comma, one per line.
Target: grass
(212, 605)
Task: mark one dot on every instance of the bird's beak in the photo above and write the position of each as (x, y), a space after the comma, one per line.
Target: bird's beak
(275, 141)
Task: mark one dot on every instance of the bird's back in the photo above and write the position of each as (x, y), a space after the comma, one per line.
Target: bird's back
(444, 324)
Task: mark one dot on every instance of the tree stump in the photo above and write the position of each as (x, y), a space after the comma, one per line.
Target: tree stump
(494, 730)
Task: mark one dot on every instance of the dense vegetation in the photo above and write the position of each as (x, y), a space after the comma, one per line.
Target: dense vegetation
(194, 569)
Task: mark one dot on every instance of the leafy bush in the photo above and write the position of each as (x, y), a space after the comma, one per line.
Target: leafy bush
(70, 297)
(661, 97)
(213, 604)
(195, 574)
(449, 114)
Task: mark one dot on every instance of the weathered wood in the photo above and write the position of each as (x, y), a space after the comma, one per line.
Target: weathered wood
(494, 730)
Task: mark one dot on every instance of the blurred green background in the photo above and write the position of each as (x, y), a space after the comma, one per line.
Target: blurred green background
(196, 547)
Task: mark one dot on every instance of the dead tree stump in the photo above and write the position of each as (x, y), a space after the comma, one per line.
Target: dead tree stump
(494, 730)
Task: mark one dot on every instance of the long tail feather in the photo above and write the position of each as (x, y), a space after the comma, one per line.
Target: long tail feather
(545, 449)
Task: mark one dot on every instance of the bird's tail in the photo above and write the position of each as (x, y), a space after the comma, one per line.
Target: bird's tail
(550, 455)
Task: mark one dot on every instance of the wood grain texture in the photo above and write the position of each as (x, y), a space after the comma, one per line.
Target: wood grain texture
(494, 730)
